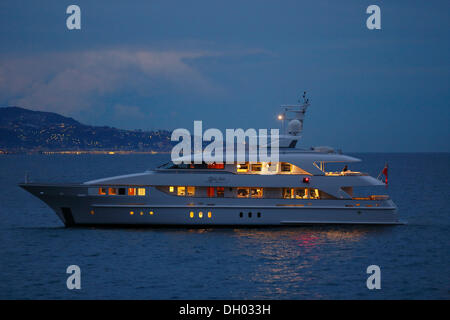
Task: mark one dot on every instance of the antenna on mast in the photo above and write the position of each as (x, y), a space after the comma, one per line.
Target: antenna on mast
(292, 118)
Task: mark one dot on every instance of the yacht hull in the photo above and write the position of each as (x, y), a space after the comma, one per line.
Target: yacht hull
(75, 207)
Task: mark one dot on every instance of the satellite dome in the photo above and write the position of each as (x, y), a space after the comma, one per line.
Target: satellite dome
(294, 127)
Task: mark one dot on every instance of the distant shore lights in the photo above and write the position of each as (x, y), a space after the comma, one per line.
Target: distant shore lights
(251, 145)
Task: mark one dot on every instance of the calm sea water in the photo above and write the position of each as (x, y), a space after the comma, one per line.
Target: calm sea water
(317, 262)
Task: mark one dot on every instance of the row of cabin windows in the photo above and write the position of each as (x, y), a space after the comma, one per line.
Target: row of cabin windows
(183, 191)
(257, 167)
(249, 192)
(121, 191)
(190, 191)
(203, 165)
(301, 193)
(244, 192)
(240, 167)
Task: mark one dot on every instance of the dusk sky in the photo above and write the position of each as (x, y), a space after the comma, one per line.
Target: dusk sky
(163, 64)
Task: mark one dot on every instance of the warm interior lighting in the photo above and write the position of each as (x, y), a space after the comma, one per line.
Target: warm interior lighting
(285, 167)
(316, 193)
(190, 191)
(256, 167)
(191, 214)
(171, 189)
(141, 213)
(300, 193)
(200, 214)
(242, 167)
(215, 166)
(256, 192)
(210, 192)
(181, 191)
(102, 191)
(243, 192)
(112, 191)
(141, 191)
(151, 212)
(131, 212)
(209, 214)
(131, 191)
(92, 212)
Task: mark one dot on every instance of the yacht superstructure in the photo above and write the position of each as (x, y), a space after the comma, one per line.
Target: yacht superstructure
(293, 191)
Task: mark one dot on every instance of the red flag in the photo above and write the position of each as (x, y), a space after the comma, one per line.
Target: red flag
(385, 172)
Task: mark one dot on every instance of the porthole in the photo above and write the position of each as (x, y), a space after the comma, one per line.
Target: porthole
(131, 212)
(209, 214)
(200, 214)
(151, 212)
(249, 214)
(241, 214)
(259, 214)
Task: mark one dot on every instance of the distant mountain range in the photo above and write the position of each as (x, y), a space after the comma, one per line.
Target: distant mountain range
(23, 130)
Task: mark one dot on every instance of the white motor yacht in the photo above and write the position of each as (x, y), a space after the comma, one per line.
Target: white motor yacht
(296, 190)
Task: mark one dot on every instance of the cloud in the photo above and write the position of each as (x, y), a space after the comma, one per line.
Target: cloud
(72, 82)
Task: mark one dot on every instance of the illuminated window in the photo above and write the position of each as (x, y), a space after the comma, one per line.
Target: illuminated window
(151, 212)
(200, 214)
(215, 166)
(288, 193)
(209, 214)
(141, 191)
(181, 191)
(171, 189)
(256, 167)
(242, 167)
(285, 167)
(102, 191)
(191, 214)
(92, 212)
(243, 192)
(112, 191)
(190, 191)
(301, 193)
(131, 191)
(210, 191)
(256, 192)
(316, 194)
(141, 213)
(131, 212)
(220, 192)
